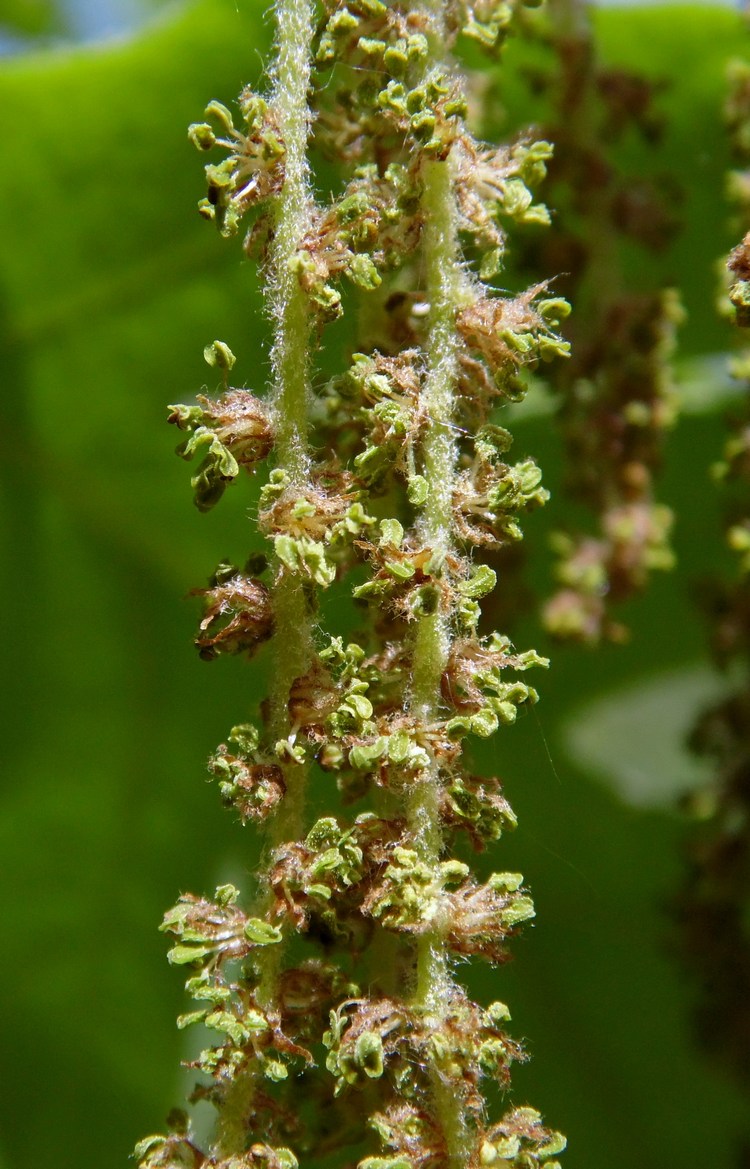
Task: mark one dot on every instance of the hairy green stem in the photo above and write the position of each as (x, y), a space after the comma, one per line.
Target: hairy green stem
(292, 220)
(432, 642)
(433, 982)
(290, 358)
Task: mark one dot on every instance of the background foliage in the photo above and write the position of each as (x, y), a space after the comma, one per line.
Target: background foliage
(110, 286)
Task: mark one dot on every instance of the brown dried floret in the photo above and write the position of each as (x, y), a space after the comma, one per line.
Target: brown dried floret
(310, 511)
(327, 874)
(242, 424)
(482, 917)
(477, 805)
(207, 929)
(238, 617)
(504, 331)
(461, 1044)
(307, 993)
(412, 1133)
(519, 1139)
(411, 579)
(739, 260)
(255, 167)
(472, 662)
(488, 497)
(313, 697)
(254, 785)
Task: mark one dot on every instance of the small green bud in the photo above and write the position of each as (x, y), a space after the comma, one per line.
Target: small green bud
(342, 22)
(371, 47)
(399, 746)
(185, 955)
(219, 355)
(520, 343)
(491, 263)
(492, 441)
(481, 582)
(323, 833)
(306, 557)
(393, 97)
(425, 600)
(484, 723)
(516, 197)
(508, 1147)
(492, 1056)
(286, 1159)
(364, 756)
(453, 872)
(202, 989)
(423, 125)
(326, 53)
(385, 1163)
(530, 475)
(506, 712)
(396, 59)
(358, 705)
(520, 909)
(557, 1143)
(231, 1026)
(289, 752)
(368, 1054)
(253, 108)
(505, 882)
(246, 738)
(152, 1144)
(400, 569)
(370, 590)
(216, 110)
(456, 108)
(255, 1022)
(331, 757)
(537, 213)
(498, 1013)
(551, 348)
(201, 135)
(226, 895)
(487, 1154)
(191, 1017)
(417, 490)
(361, 271)
(391, 534)
(416, 99)
(553, 311)
(185, 417)
(261, 933)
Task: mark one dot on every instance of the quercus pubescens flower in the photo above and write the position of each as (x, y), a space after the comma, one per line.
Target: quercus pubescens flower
(396, 468)
(617, 396)
(711, 907)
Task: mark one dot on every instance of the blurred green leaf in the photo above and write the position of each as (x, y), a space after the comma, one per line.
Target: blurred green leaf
(111, 285)
(31, 17)
(635, 737)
